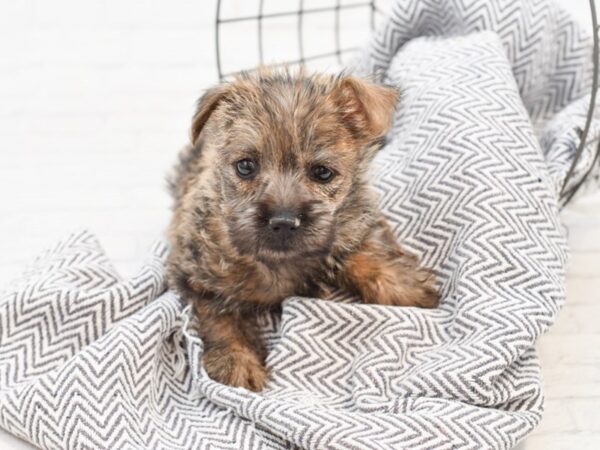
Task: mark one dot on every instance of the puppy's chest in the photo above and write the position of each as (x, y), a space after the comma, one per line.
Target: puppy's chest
(285, 281)
(273, 284)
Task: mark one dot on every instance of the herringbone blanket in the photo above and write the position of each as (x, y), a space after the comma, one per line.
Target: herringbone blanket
(90, 360)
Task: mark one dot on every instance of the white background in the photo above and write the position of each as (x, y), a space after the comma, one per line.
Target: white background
(95, 102)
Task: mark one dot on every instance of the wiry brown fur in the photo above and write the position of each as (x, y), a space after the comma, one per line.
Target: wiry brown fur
(224, 259)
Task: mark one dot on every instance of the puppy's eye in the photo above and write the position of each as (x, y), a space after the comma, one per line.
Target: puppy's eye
(245, 168)
(321, 174)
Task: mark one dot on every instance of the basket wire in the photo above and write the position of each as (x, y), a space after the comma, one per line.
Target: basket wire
(300, 14)
(566, 193)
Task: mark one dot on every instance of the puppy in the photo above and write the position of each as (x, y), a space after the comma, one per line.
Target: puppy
(272, 200)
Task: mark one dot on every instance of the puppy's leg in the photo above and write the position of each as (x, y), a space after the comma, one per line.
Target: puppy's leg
(381, 272)
(234, 352)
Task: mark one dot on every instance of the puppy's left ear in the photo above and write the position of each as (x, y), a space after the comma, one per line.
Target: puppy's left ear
(367, 108)
(206, 106)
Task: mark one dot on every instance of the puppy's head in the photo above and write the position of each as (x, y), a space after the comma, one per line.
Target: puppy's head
(285, 154)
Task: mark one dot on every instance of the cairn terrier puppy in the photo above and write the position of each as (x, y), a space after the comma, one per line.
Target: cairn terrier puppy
(272, 200)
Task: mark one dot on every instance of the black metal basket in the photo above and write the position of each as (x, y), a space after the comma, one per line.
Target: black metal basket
(339, 50)
(304, 11)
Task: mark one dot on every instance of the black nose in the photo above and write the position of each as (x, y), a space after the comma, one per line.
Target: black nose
(284, 222)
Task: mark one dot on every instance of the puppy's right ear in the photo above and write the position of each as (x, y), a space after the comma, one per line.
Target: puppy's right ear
(206, 106)
(366, 106)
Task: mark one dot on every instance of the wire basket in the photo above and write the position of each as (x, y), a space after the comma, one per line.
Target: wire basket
(258, 16)
(313, 33)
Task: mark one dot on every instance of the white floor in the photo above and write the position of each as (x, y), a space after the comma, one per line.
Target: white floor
(570, 351)
(95, 101)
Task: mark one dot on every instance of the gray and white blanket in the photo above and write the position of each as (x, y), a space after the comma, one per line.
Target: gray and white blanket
(484, 133)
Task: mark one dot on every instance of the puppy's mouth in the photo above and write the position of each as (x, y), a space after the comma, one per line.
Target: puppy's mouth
(278, 245)
(266, 246)
(276, 249)
(281, 236)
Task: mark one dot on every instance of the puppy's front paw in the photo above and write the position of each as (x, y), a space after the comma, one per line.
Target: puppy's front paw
(236, 368)
(420, 291)
(387, 289)
(391, 282)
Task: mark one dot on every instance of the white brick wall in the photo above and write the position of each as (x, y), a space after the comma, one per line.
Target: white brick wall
(95, 101)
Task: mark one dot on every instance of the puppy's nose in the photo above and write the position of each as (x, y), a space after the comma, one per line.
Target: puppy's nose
(284, 222)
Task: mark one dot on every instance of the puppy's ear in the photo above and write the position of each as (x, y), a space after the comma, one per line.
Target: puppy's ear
(206, 106)
(367, 108)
